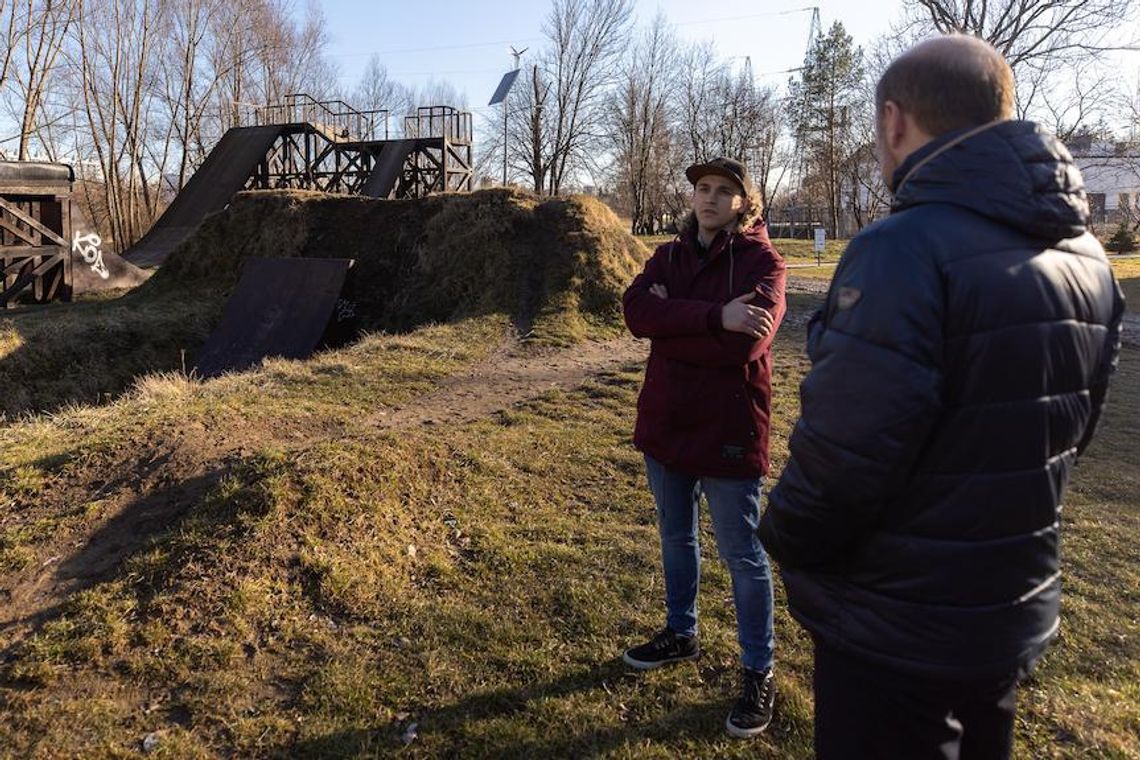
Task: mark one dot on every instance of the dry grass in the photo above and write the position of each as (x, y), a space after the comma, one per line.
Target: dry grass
(438, 259)
(335, 584)
(1128, 273)
(85, 353)
(320, 587)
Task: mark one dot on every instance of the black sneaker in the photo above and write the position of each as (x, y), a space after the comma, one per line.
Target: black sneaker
(662, 649)
(753, 711)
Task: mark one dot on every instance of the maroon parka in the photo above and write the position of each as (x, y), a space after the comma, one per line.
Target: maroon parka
(706, 404)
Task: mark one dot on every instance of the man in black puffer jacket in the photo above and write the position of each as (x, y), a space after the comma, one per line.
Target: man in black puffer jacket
(959, 367)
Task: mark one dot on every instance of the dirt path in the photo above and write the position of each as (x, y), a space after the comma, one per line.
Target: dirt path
(512, 374)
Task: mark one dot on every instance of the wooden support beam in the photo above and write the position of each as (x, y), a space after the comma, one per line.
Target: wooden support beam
(34, 224)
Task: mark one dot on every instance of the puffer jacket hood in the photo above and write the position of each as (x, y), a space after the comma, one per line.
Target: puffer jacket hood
(1011, 171)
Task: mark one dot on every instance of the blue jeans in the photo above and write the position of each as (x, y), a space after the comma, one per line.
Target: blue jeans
(735, 508)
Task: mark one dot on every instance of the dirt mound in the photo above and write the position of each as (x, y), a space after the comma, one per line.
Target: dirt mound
(554, 266)
(557, 268)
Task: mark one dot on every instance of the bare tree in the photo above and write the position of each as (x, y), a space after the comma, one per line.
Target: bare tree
(9, 22)
(640, 117)
(770, 154)
(261, 56)
(377, 91)
(36, 32)
(1048, 43)
(189, 84)
(118, 67)
(569, 86)
(1078, 101)
(866, 194)
(700, 72)
(747, 126)
(1029, 32)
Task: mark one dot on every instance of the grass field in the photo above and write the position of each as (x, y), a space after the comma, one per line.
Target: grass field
(1128, 272)
(321, 588)
(800, 257)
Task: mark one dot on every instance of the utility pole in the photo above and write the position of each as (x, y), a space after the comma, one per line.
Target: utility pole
(517, 55)
(500, 96)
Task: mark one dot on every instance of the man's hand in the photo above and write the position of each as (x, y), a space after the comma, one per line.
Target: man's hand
(658, 290)
(738, 316)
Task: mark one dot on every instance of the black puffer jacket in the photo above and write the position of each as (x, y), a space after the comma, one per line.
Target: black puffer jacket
(959, 367)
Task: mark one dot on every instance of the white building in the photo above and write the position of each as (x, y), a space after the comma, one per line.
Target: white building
(1112, 180)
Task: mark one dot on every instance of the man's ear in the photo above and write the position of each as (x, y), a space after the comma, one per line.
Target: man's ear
(894, 126)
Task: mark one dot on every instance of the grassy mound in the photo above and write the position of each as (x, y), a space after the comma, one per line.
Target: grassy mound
(555, 268)
(558, 266)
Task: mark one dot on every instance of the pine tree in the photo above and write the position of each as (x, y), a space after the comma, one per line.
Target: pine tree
(823, 100)
(1121, 240)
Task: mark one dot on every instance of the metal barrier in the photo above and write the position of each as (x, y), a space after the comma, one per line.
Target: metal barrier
(439, 121)
(341, 121)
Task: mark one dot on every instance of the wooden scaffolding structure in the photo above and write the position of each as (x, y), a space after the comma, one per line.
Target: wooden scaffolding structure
(35, 225)
(330, 147)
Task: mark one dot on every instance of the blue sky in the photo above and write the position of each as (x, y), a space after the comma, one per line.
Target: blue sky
(467, 43)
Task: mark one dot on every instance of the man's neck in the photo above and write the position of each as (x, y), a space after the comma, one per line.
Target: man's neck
(705, 236)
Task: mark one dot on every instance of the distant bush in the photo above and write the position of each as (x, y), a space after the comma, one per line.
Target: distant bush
(1122, 240)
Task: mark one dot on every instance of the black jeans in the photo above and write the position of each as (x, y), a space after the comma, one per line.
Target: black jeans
(865, 711)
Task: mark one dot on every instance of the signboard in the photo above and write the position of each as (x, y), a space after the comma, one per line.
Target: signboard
(820, 239)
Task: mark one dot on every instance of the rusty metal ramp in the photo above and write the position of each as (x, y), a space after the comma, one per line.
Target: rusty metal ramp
(286, 307)
(381, 183)
(225, 171)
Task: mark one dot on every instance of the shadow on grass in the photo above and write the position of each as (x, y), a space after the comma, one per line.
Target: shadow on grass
(44, 596)
(89, 353)
(447, 732)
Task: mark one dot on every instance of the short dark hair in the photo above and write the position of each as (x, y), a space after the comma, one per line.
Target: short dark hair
(949, 83)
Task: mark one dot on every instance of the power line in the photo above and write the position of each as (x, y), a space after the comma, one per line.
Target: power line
(768, 14)
(433, 48)
(436, 73)
(491, 43)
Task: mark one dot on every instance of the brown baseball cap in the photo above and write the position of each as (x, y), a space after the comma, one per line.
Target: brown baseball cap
(724, 167)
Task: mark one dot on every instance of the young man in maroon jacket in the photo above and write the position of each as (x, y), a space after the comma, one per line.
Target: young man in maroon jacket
(710, 301)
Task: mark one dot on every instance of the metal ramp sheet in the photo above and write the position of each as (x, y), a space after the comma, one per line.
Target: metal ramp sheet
(381, 183)
(286, 307)
(225, 171)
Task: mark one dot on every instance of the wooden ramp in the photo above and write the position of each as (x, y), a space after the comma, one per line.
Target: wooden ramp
(286, 307)
(226, 170)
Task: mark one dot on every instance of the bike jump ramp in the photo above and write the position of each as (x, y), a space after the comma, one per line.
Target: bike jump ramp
(227, 169)
(42, 218)
(286, 307)
(381, 183)
(223, 174)
(94, 268)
